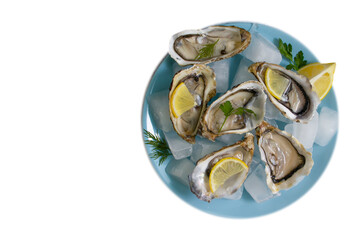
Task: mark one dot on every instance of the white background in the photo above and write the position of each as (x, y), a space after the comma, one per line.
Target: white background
(72, 161)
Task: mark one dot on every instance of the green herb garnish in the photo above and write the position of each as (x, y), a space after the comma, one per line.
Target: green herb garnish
(160, 149)
(286, 51)
(228, 110)
(207, 51)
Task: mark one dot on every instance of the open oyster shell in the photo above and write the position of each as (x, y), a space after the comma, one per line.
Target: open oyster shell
(199, 179)
(286, 160)
(249, 95)
(298, 102)
(200, 80)
(185, 46)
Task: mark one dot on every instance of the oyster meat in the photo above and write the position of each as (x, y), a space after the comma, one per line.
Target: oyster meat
(286, 160)
(200, 81)
(298, 102)
(230, 40)
(199, 178)
(249, 95)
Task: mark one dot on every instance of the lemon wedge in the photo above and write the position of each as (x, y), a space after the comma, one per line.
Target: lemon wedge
(224, 169)
(275, 83)
(181, 100)
(321, 76)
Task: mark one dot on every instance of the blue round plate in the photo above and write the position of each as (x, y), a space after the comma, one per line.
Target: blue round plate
(245, 207)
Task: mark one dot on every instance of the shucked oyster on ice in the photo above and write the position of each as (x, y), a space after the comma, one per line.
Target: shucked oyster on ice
(298, 102)
(249, 95)
(199, 178)
(230, 40)
(286, 160)
(200, 81)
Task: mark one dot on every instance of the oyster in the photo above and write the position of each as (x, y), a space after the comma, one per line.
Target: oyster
(249, 95)
(199, 178)
(230, 40)
(286, 160)
(298, 102)
(200, 81)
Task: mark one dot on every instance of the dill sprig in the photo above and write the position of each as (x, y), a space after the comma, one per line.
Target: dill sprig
(159, 146)
(207, 51)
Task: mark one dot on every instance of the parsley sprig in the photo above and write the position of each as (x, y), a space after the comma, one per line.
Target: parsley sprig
(160, 149)
(207, 51)
(228, 110)
(286, 51)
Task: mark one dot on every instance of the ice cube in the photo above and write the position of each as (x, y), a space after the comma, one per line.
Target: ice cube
(229, 139)
(178, 146)
(203, 147)
(180, 169)
(271, 112)
(271, 122)
(196, 152)
(255, 185)
(256, 160)
(221, 69)
(305, 133)
(242, 74)
(328, 125)
(289, 128)
(159, 109)
(261, 49)
(236, 195)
